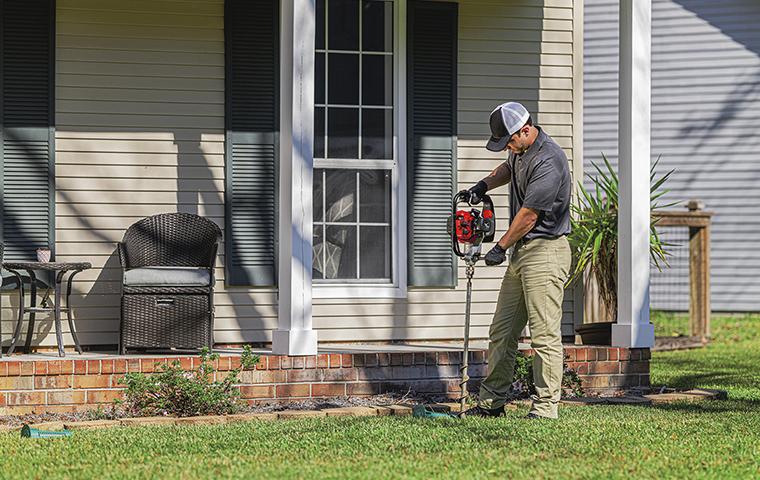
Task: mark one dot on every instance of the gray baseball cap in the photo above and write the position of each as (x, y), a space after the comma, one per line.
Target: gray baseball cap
(506, 119)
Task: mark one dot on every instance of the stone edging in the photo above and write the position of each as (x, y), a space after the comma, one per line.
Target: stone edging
(694, 395)
(359, 411)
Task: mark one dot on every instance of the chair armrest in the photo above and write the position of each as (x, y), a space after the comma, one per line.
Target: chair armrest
(122, 254)
(212, 263)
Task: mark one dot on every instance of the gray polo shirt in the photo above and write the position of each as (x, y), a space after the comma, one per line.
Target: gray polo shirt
(540, 179)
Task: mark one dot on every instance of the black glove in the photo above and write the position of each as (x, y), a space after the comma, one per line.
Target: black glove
(495, 256)
(476, 192)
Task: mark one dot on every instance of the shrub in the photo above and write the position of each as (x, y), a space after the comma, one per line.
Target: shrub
(173, 391)
(523, 385)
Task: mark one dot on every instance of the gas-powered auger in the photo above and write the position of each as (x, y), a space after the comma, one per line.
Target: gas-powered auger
(469, 228)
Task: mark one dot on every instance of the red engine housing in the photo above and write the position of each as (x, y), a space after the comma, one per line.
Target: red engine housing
(469, 224)
(464, 226)
(474, 226)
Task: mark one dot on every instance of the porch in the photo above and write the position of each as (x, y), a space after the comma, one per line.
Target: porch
(140, 119)
(42, 382)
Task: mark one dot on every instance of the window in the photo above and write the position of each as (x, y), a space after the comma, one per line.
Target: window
(354, 158)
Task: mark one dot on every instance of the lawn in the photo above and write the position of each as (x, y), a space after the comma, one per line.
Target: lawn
(669, 324)
(708, 440)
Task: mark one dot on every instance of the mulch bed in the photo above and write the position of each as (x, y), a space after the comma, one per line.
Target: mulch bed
(310, 404)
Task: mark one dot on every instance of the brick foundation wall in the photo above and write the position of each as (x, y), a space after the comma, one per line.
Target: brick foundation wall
(73, 385)
(606, 370)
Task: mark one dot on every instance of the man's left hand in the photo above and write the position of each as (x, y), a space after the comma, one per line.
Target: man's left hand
(495, 256)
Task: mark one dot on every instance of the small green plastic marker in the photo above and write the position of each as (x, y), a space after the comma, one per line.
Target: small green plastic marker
(29, 432)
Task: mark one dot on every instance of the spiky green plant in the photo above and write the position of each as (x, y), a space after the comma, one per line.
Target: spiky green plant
(594, 235)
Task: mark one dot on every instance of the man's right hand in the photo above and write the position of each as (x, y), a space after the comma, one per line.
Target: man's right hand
(495, 256)
(476, 192)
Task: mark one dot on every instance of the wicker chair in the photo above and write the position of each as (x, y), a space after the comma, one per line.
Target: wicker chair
(167, 298)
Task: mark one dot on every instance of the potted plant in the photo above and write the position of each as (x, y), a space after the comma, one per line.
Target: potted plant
(594, 240)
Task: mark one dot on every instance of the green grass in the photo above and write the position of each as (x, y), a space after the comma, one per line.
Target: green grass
(707, 440)
(670, 324)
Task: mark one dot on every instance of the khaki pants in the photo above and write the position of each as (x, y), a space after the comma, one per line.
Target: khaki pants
(532, 293)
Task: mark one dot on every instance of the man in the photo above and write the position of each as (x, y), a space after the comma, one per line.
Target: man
(533, 286)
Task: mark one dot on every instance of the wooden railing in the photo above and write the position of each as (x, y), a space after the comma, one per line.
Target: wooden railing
(698, 222)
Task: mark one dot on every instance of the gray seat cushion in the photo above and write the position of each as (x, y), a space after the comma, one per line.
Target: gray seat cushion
(160, 276)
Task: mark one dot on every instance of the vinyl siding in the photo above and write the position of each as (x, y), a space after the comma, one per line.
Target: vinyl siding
(140, 130)
(516, 50)
(522, 51)
(705, 99)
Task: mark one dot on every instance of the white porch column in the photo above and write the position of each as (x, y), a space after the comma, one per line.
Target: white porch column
(294, 335)
(633, 328)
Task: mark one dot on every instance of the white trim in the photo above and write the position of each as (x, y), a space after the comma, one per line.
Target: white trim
(357, 291)
(368, 164)
(633, 328)
(577, 134)
(294, 335)
(398, 288)
(400, 144)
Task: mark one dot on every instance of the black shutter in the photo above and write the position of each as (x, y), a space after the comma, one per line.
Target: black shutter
(252, 123)
(432, 104)
(27, 126)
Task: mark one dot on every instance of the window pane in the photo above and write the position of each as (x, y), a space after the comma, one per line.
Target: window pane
(317, 196)
(375, 256)
(353, 214)
(340, 251)
(340, 195)
(319, 78)
(320, 34)
(377, 134)
(343, 81)
(377, 80)
(375, 196)
(377, 31)
(319, 132)
(317, 252)
(343, 133)
(343, 24)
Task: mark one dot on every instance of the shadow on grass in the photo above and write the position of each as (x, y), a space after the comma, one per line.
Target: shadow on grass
(702, 377)
(711, 406)
(730, 369)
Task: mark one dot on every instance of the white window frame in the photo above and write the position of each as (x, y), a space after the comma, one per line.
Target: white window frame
(397, 288)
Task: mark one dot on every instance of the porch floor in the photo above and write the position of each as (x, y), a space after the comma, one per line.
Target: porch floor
(324, 349)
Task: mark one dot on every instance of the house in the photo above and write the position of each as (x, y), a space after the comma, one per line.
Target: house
(113, 111)
(705, 86)
(325, 138)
